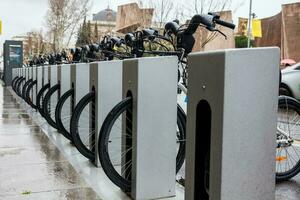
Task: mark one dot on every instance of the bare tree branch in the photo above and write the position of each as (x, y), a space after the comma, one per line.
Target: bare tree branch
(162, 10)
(63, 18)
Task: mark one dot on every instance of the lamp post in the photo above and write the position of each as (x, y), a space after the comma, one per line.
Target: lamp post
(249, 24)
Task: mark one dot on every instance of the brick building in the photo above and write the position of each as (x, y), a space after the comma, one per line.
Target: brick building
(283, 30)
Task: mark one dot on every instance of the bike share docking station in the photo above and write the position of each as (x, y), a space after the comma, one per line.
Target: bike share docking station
(152, 84)
(106, 83)
(28, 80)
(231, 120)
(39, 78)
(34, 77)
(15, 76)
(22, 81)
(80, 75)
(66, 84)
(55, 78)
(98, 87)
(80, 81)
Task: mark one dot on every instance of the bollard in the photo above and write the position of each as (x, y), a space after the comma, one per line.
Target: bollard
(15, 76)
(152, 83)
(82, 83)
(39, 78)
(65, 82)
(66, 99)
(106, 82)
(81, 79)
(15, 73)
(231, 124)
(34, 89)
(24, 74)
(55, 77)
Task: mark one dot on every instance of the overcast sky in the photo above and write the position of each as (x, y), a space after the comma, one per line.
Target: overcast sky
(21, 16)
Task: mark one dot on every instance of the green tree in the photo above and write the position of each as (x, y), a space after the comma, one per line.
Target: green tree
(83, 34)
(96, 33)
(242, 41)
(62, 20)
(89, 32)
(79, 36)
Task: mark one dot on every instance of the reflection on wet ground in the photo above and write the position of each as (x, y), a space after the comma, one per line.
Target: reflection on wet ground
(31, 167)
(289, 190)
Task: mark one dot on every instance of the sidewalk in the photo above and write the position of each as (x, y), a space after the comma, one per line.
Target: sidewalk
(31, 167)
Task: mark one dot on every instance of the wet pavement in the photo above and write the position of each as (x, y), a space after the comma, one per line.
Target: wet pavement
(38, 163)
(31, 166)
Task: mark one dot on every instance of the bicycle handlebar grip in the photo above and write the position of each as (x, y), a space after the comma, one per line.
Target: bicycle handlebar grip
(196, 20)
(224, 23)
(129, 38)
(173, 27)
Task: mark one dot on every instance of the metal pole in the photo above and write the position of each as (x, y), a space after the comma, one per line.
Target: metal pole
(249, 24)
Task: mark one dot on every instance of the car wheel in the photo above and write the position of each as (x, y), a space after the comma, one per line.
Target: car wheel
(285, 91)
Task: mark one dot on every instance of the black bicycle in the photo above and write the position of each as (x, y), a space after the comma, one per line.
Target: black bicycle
(110, 134)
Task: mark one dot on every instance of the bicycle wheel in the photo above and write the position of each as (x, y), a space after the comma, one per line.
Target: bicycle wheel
(120, 175)
(288, 140)
(82, 128)
(28, 99)
(24, 89)
(63, 113)
(14, 86)
(49, 104)
(40, 97)
(13, 81)
(18, 89)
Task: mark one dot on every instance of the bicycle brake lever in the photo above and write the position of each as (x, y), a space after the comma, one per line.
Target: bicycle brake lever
(225, 36)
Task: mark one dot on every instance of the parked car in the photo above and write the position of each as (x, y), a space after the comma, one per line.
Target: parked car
(290, 83)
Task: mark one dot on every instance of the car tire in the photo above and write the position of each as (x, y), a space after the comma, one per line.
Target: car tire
(285, 91)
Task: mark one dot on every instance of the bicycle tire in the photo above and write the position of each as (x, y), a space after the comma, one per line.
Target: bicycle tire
(27, 94)
(13, 81)
(46, 100)
(15, 84)
(24, 89)
(292, 104)
(58, 110)
(106, 127)
(39, 97)
(90, 97)
(18, 89)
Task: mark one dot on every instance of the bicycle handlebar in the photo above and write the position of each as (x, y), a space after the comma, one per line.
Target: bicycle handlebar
(196, 20)
(173, 27)
(224, 23)
(208, 21)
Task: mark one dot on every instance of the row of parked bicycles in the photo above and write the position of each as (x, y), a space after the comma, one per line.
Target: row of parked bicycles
(61, 113)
